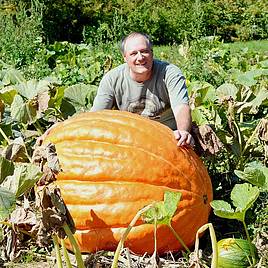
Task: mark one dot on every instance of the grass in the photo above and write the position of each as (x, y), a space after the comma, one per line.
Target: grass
(260, 46)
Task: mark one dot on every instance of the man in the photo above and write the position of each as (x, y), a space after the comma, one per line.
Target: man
(149, 87)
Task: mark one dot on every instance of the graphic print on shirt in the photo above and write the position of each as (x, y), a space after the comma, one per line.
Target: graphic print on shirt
(149, 106)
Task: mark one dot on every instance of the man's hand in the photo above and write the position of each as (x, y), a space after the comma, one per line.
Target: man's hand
(183, 137)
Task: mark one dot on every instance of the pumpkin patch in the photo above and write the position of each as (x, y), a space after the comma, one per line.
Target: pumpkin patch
(113, 164)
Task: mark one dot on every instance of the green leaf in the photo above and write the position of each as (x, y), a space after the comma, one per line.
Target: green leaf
(6, 168)
(76, 95)
(199, 116)
(226, 90)
(24, 112)
(224, 210)
(24, 178)
(12, 77)
(56, 100)
(163, 211)
(7, 94)
(246, 79)
(7, 203)
(30, 89)
(255, 173)
(261, 96)
(92, 91)
(202, 93)
(264, 64)
(244, 195)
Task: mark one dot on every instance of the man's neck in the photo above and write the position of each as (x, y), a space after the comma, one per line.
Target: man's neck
(140, 78)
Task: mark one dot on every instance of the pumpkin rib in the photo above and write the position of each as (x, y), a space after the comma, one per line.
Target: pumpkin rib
(114, 116)
(80, 157)
(83, 192)
(112, 130)
(120, 203)
(119, 215)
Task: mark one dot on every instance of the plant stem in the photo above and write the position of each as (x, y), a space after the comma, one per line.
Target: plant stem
(125, 234)
(38, 127)
(179, 239)
(251, 138)
(78, 256)
(214, 261)
(65, 253)
(252, 253)
(238, 132)
(57, 249)
(4, 135)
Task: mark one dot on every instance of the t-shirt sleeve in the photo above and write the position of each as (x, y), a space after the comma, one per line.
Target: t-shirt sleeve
(176, 86)
(105, 95)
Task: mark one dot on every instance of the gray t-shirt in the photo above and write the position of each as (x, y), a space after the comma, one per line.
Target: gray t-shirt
(154, 98)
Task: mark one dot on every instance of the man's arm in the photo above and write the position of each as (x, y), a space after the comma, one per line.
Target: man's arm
(105, 96)
(182, 114)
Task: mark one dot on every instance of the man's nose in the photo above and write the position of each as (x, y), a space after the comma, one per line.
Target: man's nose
(139, 56)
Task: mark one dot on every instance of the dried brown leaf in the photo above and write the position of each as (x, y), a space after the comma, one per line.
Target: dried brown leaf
(54, 211)
(206, 140)
(46, 158)
(23, 218)
(43, 99)
(263, 130)
(16, 151)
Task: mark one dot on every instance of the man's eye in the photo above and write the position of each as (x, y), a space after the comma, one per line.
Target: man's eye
(133, 54)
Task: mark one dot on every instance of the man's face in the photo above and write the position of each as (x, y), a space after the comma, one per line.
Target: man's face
(138, 55)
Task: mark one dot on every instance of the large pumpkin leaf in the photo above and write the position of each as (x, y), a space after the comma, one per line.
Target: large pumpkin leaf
(6, 168)
(243, 196)
(24, 178)
(91, 95)
(255, 173)
(77, 95)
(11, 77)
(261, 96)
(202, 93)
(31, 88)
(226, 90)
(7, 203)
(224, 210)
(248, 78)
(24, 112)
(163, 211)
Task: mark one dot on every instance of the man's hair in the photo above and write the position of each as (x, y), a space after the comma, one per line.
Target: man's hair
(134, 34)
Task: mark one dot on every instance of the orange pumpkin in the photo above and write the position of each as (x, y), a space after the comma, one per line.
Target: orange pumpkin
(113, 164)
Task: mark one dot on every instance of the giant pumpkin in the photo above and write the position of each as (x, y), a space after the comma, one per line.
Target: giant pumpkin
(113, 164)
